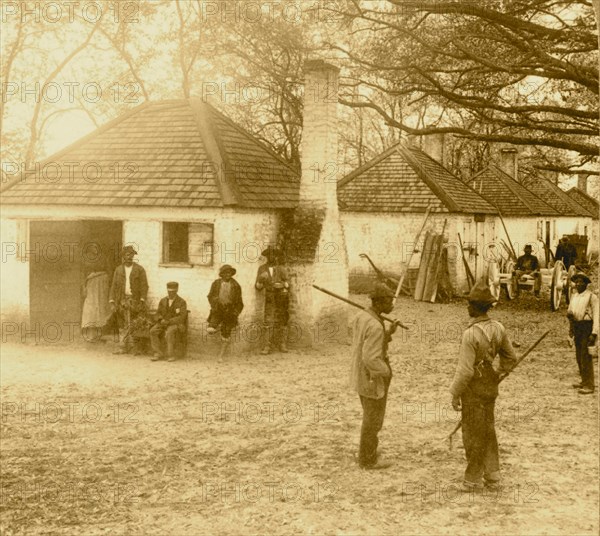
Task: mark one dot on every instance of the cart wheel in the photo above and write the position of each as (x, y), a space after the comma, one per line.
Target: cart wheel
(569, 290)
(510, 287)
(556, 287)
(493, 277)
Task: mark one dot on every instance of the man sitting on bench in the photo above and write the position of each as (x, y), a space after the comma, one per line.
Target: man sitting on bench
(171, 320)
(528, 264)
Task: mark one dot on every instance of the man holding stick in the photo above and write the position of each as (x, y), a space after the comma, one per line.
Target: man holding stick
(475, 387)
(371, 372)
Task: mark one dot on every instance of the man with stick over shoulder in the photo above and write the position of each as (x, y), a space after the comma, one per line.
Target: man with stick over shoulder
(475, 387)
(371, 373)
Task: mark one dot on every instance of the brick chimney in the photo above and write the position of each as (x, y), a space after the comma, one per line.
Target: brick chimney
(433, 145)
(313, 235)
(582, 179)
(509, 162)
(319, 146)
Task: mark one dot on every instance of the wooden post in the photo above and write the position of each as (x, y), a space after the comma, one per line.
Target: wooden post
(416, 243)
(439, 256)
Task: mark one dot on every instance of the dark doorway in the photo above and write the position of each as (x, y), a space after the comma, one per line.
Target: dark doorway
(62, 254)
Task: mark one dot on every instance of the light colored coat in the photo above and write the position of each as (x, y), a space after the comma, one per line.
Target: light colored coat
(369, 355)
(475, 347)
(95, 307)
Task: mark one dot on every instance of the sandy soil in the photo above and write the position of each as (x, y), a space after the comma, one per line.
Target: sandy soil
(94, 443)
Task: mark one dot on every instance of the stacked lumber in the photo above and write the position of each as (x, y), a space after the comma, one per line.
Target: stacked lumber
(431, 269)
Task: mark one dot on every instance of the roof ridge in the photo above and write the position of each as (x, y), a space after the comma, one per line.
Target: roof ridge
(565, 198)
(450, 204)
(250, 136)
(368, 165)
(96, 132)
(454, 176)
(510, 183)
(580, 191)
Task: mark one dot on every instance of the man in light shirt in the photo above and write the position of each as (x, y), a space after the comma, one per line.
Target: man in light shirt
(370, 374)
(127, 296)
(583, 319)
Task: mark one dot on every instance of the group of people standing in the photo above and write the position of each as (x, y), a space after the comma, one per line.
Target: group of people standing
(474, 388)
(127, 310)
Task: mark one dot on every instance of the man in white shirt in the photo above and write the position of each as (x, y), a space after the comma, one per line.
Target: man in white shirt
(127, 296)
(583, 318)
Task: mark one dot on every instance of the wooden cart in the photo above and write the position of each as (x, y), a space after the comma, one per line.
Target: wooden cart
(558, 278)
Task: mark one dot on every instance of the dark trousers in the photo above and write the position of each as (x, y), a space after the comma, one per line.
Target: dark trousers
(581, 333)
(373, 415)
(224, 316)
(479, 439)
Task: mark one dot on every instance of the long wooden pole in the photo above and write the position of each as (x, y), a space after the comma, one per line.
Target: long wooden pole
(529, 350)
(507, 235)
(470, 278)
(363, 307)
(416, 243)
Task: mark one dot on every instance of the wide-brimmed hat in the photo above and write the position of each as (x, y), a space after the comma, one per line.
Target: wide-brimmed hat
(128, 249)
(271, 252)
(481, 294)
(581, 277)
(381, 290)
(227, 268)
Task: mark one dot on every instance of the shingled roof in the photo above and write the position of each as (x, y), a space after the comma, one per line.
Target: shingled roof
(405, 179)
(509, 196)
(585, 200)
(177, 153)
(556, 197)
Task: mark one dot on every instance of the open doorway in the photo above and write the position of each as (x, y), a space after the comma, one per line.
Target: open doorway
(62, 255)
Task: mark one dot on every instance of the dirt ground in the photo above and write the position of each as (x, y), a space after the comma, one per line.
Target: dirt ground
(94, 443)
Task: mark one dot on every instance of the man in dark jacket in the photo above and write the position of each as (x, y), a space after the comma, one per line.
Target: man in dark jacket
(225, 298)
(475, 387)
(528, 264)
(127, 296)
(171, 321)
(566, 252)
(272, 277)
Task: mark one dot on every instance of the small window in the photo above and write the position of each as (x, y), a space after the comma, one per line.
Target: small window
(188, 243)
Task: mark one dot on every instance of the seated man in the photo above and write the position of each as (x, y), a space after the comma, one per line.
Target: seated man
(566, 252)
(528, 264)
(171, 320)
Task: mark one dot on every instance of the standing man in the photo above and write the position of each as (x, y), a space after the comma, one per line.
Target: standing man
(273, 278)
(171, 321)
(371, 373)
(127, 296)
(583, 320)
(566, 252)
(475, 388)
(225, 298)
(528, 264)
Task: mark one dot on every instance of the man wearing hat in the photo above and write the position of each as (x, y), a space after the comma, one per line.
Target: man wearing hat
(475, 387)
(583, 327)
(225, 298)
(528, 264)
(273, 278)
(371, 373)
(128, 294)
(171, 319)
(566, 252)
